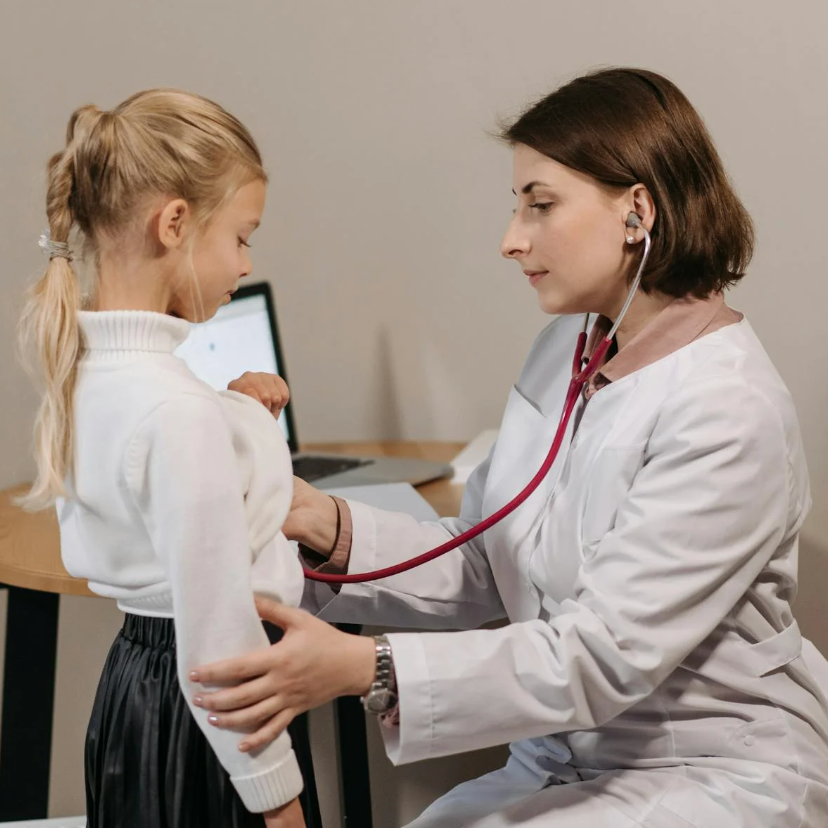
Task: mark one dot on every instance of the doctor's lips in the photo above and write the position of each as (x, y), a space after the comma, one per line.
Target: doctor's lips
(535, 275)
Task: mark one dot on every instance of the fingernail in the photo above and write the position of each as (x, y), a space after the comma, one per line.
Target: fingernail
(195, 676)
(214, 720)
(244, 747)
(198, 701)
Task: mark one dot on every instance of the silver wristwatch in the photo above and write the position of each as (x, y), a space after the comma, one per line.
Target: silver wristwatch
(382, 695)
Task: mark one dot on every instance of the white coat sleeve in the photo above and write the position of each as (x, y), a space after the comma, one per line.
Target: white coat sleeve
(702, 518)
(454, 591)
(185, 480)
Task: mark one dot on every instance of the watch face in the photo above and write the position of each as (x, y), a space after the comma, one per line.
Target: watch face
(380, 701)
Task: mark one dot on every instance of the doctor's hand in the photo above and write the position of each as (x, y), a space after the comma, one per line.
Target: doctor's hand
(269, 389)
(312, 518)
(314, 663)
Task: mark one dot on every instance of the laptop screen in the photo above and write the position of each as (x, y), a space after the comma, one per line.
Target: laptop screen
(237, 339)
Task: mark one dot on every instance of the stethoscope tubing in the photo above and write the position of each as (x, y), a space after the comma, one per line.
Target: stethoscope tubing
(580, 376)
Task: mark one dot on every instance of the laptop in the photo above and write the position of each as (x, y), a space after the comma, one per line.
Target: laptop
(243, 336)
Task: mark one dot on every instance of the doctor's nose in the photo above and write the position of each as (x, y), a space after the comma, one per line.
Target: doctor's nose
(515, 243)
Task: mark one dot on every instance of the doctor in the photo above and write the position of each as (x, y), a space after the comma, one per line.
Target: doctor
(651, 673)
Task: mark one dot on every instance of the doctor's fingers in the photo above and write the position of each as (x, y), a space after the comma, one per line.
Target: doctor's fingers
(269, 731)
(236, 670)
(250, 717)
(235, 698)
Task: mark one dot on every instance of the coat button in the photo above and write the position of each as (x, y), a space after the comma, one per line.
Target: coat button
(749, 740)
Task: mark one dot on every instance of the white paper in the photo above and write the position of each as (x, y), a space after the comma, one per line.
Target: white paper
(394, 497)
(473, 455)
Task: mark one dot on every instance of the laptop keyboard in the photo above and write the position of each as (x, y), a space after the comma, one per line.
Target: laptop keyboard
(313, 468)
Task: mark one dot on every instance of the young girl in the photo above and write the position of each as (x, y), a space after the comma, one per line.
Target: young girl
(170, 496)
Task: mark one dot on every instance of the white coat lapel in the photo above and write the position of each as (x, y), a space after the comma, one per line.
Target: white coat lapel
(526, 434)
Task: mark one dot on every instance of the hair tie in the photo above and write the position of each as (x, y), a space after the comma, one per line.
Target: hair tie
(55, 249)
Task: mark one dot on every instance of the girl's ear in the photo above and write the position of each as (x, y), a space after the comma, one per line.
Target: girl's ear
(172, 223)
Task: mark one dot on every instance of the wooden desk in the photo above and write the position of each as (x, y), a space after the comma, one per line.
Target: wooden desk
(31, 568)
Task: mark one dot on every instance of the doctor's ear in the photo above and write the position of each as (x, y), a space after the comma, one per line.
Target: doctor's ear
(640, 212)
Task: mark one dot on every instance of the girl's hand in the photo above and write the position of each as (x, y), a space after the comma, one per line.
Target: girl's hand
(288, 816)
(313, 664)
(269, 389)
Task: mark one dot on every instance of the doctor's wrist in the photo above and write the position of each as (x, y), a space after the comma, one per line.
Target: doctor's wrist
(362, 663)
(316, 526)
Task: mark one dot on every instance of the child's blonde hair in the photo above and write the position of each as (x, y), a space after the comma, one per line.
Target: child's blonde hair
(161, 142)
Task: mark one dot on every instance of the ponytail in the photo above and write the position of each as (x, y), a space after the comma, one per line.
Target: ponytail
(51, 338)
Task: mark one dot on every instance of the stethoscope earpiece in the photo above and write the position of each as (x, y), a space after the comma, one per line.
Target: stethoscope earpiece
(633, 222)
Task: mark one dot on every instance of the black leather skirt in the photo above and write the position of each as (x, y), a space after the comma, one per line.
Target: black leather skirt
(148, 765)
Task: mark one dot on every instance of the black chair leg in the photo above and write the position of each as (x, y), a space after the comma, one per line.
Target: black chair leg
(309, 799)
(352, 741)
(28, 703)
(299, 731)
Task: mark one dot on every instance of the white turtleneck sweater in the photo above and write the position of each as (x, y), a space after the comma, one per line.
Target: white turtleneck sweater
(177, 498)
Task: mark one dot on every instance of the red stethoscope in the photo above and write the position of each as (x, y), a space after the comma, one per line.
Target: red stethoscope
(580, 377)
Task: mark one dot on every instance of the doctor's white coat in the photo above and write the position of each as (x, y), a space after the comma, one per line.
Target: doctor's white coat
(651, 660)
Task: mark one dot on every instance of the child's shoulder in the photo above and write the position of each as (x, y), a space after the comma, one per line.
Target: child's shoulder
(184, 398)
(172, 382)
(157, 396)
(124, 396)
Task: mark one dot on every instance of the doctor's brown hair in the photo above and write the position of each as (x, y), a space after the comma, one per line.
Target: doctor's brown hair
(631, 126)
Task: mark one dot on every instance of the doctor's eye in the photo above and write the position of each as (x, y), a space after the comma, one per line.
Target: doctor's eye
(541, 206)
(243, 243)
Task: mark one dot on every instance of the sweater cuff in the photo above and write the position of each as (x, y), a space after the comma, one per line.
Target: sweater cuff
(337, 560)
(340, 557)
(272, 788)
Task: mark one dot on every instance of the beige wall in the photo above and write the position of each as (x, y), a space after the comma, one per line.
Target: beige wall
(388, 199)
